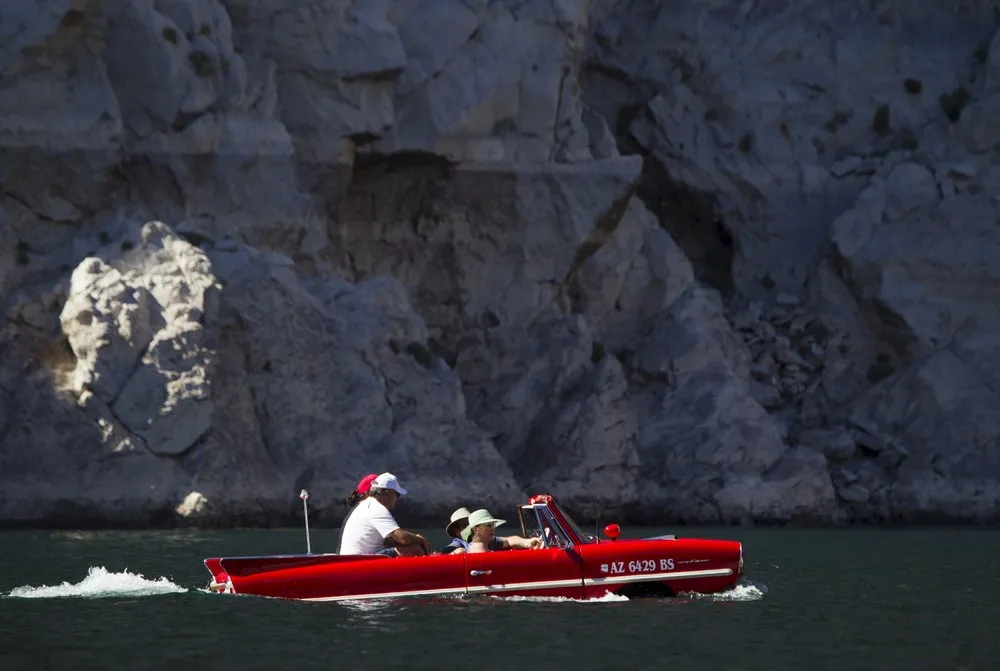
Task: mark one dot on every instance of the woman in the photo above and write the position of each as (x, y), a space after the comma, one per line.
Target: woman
(481, 534)
(359, 494)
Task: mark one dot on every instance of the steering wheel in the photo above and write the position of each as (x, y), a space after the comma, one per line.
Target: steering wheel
(553, 539)
(544, 536)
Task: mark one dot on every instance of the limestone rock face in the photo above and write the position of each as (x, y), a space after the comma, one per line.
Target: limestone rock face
(777, 112)
(271, 384)
(327, 379)
(937, 316)
(725, 262)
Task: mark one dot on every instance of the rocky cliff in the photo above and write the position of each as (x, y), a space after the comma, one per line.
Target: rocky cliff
(697, 261)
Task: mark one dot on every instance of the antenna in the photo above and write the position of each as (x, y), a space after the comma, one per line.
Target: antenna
(597, 516)
(304, 495)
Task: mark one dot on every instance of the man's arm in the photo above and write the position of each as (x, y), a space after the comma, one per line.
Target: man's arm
(520, 543)
(392, 535)
(401, 537)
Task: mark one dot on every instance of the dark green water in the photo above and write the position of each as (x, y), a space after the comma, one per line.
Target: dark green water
(846, 599)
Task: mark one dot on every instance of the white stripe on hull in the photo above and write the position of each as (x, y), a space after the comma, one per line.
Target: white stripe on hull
(389, 595)
(537, 585)
(515, 586)
(650, 577)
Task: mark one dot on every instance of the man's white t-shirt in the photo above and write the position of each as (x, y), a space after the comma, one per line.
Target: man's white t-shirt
(366, 528)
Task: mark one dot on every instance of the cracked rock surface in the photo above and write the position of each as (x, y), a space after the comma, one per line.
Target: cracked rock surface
(720, 262)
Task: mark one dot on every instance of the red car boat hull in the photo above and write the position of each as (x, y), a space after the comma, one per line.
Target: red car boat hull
(583, 568)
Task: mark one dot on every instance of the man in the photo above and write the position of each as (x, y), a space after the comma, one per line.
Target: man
(459, 523)
(371, 528)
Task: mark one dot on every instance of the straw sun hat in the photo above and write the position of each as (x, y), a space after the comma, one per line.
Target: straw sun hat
(458, 521)
(477, 517)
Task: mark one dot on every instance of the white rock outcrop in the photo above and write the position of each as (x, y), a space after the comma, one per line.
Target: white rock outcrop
(137, 333)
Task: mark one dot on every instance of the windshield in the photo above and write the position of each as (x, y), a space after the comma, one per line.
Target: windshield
(574, 527)
(529, 516)
(529, 522)
(538, 521)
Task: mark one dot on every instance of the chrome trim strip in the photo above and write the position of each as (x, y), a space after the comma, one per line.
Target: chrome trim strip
(514, 586)
(537, 585)
(389, 595)
(653, 577)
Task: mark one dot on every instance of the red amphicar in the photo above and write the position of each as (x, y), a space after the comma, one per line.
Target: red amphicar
(570, 563)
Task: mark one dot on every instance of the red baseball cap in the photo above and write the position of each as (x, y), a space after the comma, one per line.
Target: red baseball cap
(366, 483)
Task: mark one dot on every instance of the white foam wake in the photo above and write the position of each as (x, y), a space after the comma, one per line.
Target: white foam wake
(742, 592)
(100, 583)
(607, 598)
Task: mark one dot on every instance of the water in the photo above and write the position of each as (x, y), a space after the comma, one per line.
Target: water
(845, 599)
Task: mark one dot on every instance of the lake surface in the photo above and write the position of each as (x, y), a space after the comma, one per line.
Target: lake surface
(814, 599)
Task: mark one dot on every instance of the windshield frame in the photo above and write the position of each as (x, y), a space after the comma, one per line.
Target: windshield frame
(552, 520)
(574, 527)
(559, 515)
